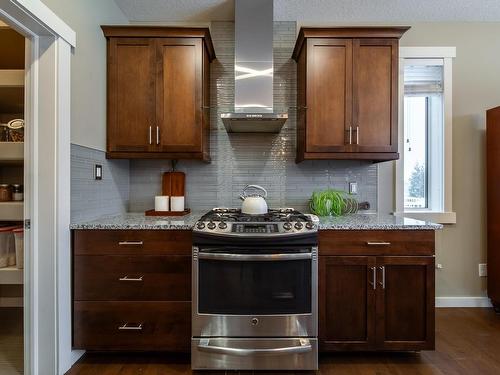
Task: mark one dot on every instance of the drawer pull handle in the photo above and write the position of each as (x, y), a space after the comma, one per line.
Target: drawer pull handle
(381, 243)
(130, 243)
(128, 327)
(126, 278)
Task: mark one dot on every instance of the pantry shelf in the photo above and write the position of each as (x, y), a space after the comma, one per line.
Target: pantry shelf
(11, 152)
(11, 211)
(11, 275)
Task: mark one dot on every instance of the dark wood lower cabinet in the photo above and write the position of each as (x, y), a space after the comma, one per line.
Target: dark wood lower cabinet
(376, 303)
(346, 303)
(405, 303)
(155, 326)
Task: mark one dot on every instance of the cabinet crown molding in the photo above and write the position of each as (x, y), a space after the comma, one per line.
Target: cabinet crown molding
(347, 32)
(117, 31)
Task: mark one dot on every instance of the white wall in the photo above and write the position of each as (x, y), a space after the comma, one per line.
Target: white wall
(476, 87)
(88, 66)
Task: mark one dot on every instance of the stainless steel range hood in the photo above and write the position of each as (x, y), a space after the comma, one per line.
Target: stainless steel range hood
(253, 69)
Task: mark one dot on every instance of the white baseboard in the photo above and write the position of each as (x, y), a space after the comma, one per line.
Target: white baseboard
(463, 302)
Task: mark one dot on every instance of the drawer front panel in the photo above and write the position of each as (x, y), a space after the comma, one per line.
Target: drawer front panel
(376, 242)
(132, 242)
(159, 326)
(132, 278)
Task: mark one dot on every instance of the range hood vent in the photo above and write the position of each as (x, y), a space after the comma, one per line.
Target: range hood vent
(253, 69)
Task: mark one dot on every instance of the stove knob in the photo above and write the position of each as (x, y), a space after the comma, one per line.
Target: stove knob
(287, 226)
(298, 226)
(310, 225)
(222, 225)
(200, 225)
(211, 225)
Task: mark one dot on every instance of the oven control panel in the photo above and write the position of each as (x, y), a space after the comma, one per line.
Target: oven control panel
(255, 228)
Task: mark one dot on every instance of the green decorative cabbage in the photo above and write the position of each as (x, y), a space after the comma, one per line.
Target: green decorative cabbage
(332, 202)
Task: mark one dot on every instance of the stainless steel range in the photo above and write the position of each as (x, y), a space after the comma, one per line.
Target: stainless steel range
(255, 291)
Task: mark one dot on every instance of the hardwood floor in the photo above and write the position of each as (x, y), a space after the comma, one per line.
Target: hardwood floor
(467, 342)
(11, 341)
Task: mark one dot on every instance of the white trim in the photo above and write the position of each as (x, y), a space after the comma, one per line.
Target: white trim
(447, 215)
(40, 12)
(427, 52)
(47, 180)
(463, 302)
(436, 217)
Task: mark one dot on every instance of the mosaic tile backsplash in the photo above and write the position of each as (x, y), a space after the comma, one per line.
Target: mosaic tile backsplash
(90, 198)
(241, 159)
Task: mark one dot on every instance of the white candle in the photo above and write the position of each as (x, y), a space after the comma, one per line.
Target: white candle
(161, 203)
(177, 203)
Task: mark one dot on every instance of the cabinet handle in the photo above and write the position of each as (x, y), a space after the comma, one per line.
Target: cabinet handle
(382, 268)
(357, 135)
(150, 136)
(129, 327)
(373, 283)
(157, 135)
(350, 135)
(378, 243)
(130, 243)
(205, 107)
(126, 278)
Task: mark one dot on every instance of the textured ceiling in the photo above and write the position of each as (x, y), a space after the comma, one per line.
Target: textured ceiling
(317, 11)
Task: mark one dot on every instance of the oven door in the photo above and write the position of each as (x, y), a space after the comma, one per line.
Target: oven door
(240, 292)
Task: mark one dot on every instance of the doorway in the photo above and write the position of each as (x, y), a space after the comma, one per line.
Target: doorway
(46, 206)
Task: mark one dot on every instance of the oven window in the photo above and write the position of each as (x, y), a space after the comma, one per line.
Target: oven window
(254, 287)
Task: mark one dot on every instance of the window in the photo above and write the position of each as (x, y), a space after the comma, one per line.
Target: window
(424, 189)
(423, 134)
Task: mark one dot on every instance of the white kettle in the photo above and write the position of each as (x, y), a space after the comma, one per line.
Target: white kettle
(254, 203)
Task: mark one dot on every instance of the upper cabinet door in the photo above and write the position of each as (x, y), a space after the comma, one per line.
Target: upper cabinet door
(131, 94)
(328, 94)
(375, 95)
(179, 95)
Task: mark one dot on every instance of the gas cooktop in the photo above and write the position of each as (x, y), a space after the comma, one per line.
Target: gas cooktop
(231, 221)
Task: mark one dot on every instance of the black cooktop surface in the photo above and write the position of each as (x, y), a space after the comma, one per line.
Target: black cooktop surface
(273, 215)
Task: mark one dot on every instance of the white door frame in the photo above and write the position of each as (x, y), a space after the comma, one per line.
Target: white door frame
(47, 272)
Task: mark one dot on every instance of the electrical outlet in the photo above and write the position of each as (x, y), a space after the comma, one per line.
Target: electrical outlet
(353, 188)
(483, 270)
(439, 266)
(98, 172)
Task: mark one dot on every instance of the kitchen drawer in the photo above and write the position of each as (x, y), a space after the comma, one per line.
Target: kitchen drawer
(132, 242)
(132, 278)
(376, 242)
(158, 326)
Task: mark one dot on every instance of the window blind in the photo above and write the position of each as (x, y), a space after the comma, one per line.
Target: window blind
(423, 79)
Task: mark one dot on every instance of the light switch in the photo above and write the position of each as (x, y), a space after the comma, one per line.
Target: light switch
(98, 172)
(353, 188)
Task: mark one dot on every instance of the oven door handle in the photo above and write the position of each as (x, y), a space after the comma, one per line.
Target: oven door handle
(304, 347)
(254, 257)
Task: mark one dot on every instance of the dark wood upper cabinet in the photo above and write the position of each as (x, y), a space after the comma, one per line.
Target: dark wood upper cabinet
(158, 92)
(347, 99)
(131, 94)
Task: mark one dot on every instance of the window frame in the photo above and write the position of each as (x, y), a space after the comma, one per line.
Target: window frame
(446, 215)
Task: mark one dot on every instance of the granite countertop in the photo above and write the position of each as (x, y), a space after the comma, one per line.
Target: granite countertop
(350, 222)
(375, 222)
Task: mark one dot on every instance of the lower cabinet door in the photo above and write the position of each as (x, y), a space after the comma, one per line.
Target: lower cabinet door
(160, 326)
(347, 303)
(405, 303)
